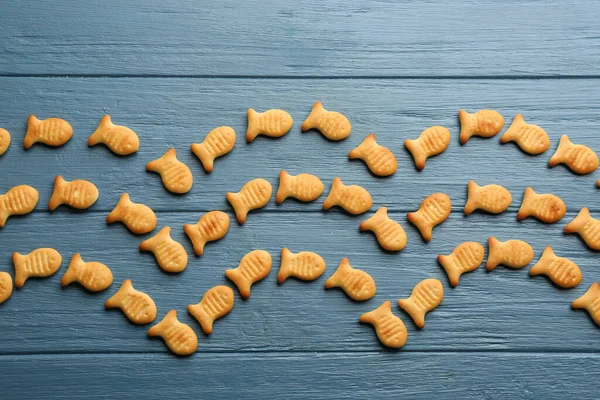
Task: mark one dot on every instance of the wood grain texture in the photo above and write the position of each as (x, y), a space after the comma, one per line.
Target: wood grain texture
(340, 38)
(501, 310)
(176, 112)
(304, 375)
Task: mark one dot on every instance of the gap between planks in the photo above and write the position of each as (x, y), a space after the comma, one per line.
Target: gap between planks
(309, 77)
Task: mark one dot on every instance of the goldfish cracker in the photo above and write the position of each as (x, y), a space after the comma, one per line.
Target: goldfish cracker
(216, 303)
(426, 296)
(332, 124)
(175, 175)
(530, 138)
(137, 306)
(389, 233)
(138, 218)
(253, 267)
(562, 271)
(4, 141)
(217, 143)
(356, 283)
(590, 302)
(119, 139)
(466, 257)
(80, 194)
(179, 337)
(434, 210)
(379, 159)
(170, 254)
(431, 142)
(52, 132)
(254, 194)
(302, 187)
(305, 265)
(491, 198)
(579, 158)
(6, 286)
(390, 329)
(514, 254)
(19, 200)
(484, 123)
(40, 263)
(586, 227)
(273, 123)
(548, 208)
(210, 227)
(353, 198)
(93, 276)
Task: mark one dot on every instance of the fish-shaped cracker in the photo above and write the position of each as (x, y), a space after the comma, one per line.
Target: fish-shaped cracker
(431, 142)
(353, 198)
(175, 175)
(217, 143)
(302, 187)
(379, 159)
(19, 200)
(332, 124)
(389, 233)
(529, 137)
(52, 132)
(390, 329)
(586, 227)
(272, 123)
(79, 193)
(491, 198)
(465, 257)
(562, 271)
(434, 210)
(484, 123)
(579, 158)
(356, 283)
(119, 139)
(548, 208)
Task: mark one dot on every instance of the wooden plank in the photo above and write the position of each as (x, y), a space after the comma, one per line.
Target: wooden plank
(175, 112)
(298, 376)
(502, 310)
(343, 38)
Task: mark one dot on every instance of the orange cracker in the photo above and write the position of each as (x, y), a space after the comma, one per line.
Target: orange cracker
(272, 123)
(548, 208)
(586, 227)
(93, 276)
(466, 257)
(303, 187)
(217, 143)
(138, 218)
(119, 139)
(431, 142)
(52, 132)
(562, 271)
(210, 227)
(216, 303)
(40, 263)
(389, 233)
(332, 124)
(180, 338)
(6, 286)
(590, 302)
(379, 159)
(19, 200)
(530, 138)
(389, 328)
(80, 194)
(356, 283)
(579, 158)
(491, 198)
(354, 199)
(170, 254)
(514, 254)
(175, 175)
(137, 306)
(253, 267)
(426, 296)
(254, 194)
(434, 210)
(304, 265)
(484, 123)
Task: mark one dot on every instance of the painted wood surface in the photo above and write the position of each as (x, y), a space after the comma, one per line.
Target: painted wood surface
(172, 72)
(303, 38)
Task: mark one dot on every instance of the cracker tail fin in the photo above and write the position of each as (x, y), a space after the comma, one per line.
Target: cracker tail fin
(372, 316)
(494, 254)
(332, 198)
(560, 152)
(116, 299)
(513, 130)
(32, 126)
(169, 320)
(162, 235)
(207, 160)
(592, 293)
(466, 126)
(541, 266)
(117, 213)
(366, 144)
(311, 120)
(20, 273)
(56, 199)
(415, 149)
(283, 191)
(205, 321)
(527, 204)
(154, 165)
(284, 269)
(472, 197)
(336, 279)
(96, 137)
(253, 126)
(242, 284)
(579, 221)
(73, 270)
(415, 312)
(198, 241)
(451, 269)
(372, 222)
(236, 202)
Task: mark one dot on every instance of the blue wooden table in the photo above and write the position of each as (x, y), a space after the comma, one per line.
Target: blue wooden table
(174, 70)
